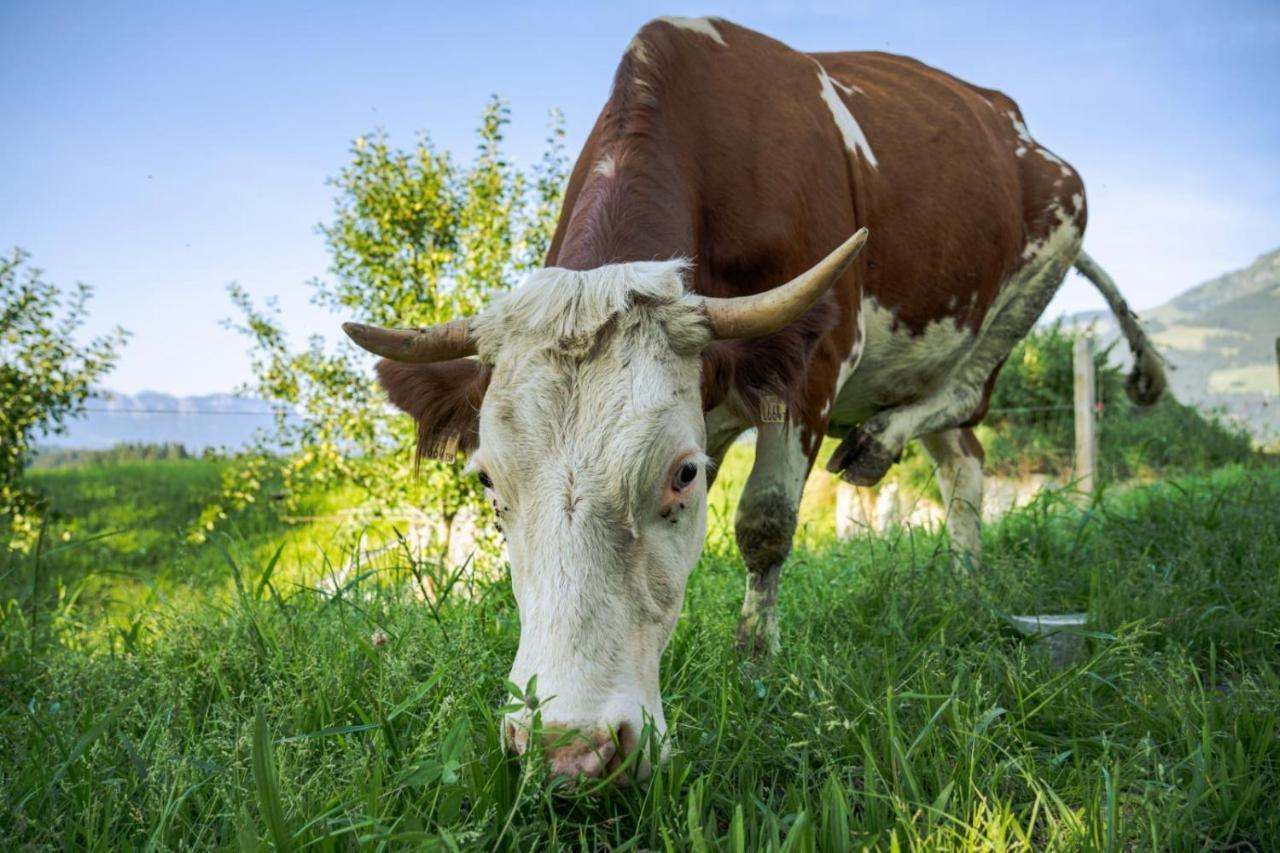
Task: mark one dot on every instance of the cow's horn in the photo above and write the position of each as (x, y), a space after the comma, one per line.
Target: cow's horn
(767, 312)
(440, 342)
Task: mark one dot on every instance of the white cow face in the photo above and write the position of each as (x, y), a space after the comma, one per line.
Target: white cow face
(591, 444)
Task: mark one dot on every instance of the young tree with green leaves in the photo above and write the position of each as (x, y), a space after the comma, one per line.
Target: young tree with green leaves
(45, 378)
(416, 238)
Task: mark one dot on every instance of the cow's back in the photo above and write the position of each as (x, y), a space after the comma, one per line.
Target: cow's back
(958, 191)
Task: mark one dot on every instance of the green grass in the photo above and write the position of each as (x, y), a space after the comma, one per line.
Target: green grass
(121, 536)
(122, 529)
(901, 713)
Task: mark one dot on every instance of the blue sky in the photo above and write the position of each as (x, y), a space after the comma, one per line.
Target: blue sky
(160, 151)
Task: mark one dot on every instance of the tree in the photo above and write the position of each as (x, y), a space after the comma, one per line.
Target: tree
(415, 239)
(45, 378)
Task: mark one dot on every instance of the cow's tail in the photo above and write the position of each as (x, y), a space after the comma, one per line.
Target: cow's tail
(1147, 380)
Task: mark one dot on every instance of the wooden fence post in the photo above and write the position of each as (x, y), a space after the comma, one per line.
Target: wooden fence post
(1086, 433)
(845, 497)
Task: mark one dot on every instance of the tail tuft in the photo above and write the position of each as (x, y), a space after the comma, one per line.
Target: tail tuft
(1147, 381)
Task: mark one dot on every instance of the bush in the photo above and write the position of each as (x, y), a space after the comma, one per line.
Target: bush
(45, 377)
(125, 451)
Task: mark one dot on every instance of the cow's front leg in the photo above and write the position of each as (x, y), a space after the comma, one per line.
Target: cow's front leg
(958, 455)
(765, 525)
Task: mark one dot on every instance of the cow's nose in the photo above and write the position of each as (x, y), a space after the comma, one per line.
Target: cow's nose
(590, 756)
(593, 754)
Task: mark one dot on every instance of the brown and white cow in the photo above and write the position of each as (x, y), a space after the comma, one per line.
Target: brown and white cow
(606, 389)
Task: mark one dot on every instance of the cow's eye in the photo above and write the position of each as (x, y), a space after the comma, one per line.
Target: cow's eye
(685, 474)
(485, 480)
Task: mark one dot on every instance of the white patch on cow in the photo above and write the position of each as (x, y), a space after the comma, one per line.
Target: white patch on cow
(854, 139)
(1054, 158)
(781, 464)
(595, 395)
(703, 26)
(1024, 136)
(1036, 248)
(1077, 202)
(637, 49)
(1026, 143)
(847, 88)
(605, 166)
(1020, 128)
(851, 361)
(896, 366)
(960, 481)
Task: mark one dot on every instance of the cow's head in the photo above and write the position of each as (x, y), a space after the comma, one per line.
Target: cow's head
(584, 419)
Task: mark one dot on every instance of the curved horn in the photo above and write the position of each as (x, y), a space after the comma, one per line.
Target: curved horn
(440, 342)
(767, 312)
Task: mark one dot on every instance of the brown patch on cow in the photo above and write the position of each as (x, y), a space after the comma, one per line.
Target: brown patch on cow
(970, 446)
(444, 398)
(984, 403)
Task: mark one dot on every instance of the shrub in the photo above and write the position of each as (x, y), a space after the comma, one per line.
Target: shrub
(1031, 427)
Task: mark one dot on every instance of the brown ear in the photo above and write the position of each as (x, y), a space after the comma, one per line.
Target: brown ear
(443, 397)
(742, 373)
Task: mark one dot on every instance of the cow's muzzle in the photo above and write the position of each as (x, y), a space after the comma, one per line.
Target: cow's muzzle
(594, 752)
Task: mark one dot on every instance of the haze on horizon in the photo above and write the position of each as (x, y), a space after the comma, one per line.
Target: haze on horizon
(160, 151)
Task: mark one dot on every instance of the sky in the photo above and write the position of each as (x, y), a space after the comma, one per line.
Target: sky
(161, 151)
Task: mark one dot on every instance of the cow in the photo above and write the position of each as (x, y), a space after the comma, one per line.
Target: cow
(706, 278)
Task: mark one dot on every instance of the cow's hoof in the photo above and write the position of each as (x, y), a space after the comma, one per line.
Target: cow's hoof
(755, 640)
(861, 460)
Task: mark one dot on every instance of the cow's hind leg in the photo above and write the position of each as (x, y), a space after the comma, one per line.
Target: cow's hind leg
(959, 456)
(765, 525)
(866, 453)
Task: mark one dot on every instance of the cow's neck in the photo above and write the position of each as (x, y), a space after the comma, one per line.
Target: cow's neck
(628, 216)
(632, 197)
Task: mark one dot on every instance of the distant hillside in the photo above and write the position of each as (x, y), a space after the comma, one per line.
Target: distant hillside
(1220, 337)
(1260, 277)
(213, 420)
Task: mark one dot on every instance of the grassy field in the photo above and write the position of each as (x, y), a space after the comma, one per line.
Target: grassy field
(222, 701)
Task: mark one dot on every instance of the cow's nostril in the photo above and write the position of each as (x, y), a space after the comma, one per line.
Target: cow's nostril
(514, 738)
(624, 743)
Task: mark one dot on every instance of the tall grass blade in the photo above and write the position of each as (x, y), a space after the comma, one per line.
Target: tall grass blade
(267, 781)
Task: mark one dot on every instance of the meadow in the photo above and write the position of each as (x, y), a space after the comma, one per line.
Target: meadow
(164, 694)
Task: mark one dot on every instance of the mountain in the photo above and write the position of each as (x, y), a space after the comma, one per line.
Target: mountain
(1220, 338)
(212, 420)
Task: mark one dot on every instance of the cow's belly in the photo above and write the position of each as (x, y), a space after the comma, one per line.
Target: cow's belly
(895, 367)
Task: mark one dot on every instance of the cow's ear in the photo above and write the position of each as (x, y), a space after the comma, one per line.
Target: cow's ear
(444, 398)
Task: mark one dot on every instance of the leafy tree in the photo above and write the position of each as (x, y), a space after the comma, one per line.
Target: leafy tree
(45, 378)
(415, 238)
